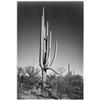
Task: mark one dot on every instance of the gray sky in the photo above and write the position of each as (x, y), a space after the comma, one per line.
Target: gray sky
(66, 23)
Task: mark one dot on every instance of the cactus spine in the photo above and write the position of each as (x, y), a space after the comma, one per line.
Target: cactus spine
(45, 49)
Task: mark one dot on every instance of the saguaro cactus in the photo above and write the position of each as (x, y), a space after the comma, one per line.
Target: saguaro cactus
(45, 49)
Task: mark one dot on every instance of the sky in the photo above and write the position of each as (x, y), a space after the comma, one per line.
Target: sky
(65, 22)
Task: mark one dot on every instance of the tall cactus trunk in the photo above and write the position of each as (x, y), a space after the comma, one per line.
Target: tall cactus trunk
(44, 75)
(45, 50)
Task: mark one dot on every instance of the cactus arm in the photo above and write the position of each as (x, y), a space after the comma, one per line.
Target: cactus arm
(50, 39)
(47, 60)
(49, 50)
(53, 70)
(55, 53)
(47, 28)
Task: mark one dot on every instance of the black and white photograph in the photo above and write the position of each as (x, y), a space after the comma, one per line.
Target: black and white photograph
(50, 50)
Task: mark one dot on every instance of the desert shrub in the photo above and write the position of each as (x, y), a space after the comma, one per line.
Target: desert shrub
(26, 82)
(74, 87)
(60, 86)
(52, 81)
(57, 85)
(70, 86)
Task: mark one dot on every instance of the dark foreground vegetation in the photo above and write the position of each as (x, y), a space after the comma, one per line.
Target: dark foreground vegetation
(58, 87)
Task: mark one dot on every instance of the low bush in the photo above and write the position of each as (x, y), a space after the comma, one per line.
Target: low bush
(68, 86)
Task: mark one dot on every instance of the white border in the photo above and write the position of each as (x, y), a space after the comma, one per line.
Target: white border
(8, 49)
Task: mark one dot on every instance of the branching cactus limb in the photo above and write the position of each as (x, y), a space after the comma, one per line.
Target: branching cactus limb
(49, 50)
(55, 53)
(53, 71)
